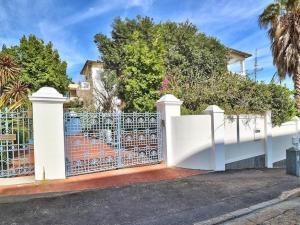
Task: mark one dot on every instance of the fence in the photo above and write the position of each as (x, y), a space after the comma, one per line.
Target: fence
(16, 143)
(72, 143)
(96, 141)
(68, 143)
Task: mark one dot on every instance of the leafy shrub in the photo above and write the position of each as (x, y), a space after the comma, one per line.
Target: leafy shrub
(239, 95)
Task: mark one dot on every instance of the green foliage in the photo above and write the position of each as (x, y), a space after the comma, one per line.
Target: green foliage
(40, 64)
(136, 54)
(142, 53)
(143, 73)
(282, 104)
(191, 55)
(176, 58)
(74, 104)
(240, 95)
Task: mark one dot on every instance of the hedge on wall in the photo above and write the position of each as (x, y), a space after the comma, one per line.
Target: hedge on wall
(240, 95)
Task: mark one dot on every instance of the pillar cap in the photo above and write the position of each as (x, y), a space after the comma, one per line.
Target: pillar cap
(213, 109)
(47, 94)
(169, 99)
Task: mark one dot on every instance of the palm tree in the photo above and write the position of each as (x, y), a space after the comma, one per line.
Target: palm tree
(13, 93)
(8, 69)
(282, 19)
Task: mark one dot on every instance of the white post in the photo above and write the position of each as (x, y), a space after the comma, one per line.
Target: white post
(242, 67)
(48, 131)
(217, 120)
(168, 106)
(268, 140)
(297, 122)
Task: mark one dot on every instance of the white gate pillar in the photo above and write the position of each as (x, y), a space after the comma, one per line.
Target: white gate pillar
(168, 106)
(48, 133)
(218, 126)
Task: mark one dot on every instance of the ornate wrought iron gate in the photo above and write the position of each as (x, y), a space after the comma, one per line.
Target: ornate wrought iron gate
(105, 141)
(16, 143)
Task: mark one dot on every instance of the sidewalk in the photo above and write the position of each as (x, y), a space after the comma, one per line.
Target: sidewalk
(287, 212)
(106, 179)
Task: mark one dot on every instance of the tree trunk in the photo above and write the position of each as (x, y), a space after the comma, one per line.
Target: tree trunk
(297, 89)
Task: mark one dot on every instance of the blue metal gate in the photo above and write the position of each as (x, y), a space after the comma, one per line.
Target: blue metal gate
(16, 143)
(104, 141)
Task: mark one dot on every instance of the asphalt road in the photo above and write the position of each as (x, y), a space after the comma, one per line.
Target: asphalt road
(183, 201)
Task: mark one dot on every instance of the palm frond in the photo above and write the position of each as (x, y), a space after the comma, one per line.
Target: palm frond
(14, 95)
(269, 15)
(8, 69)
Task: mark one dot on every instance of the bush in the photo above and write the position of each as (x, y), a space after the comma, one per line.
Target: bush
(239, 95)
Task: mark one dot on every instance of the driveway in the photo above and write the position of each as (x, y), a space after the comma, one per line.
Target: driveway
(183, 201)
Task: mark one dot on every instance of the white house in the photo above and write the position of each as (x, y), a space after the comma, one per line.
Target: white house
(92, 72)
(237, 57)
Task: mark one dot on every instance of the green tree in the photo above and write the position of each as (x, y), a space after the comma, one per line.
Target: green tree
(136, 53)
(143, 74)
(40, 64)
(282, 19)
(191, 55)
(182, 54)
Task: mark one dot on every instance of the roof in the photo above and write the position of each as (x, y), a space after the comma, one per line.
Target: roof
(87, 66)
(240, 53)
(73, 86)
(237, 55)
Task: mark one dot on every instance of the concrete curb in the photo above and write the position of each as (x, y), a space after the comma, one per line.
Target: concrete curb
(245, 211)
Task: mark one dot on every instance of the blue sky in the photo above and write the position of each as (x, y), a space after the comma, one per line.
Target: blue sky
(71, 25)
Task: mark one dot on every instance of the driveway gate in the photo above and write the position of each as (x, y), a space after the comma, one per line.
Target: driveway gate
(16, 143)
(104, 141)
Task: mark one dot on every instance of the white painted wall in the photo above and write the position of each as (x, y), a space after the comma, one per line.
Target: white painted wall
(192, 142)
(282, 139)
(244, 137)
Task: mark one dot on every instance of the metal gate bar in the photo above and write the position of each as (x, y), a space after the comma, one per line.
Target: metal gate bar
(16, 143)
(104, 141)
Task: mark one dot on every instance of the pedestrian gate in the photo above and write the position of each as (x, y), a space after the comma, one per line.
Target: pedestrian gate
(104, 141)
(16, 143)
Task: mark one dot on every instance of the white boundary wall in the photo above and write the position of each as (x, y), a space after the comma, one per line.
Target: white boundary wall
(208, 141)
(244, 137)
(211, 141)
(281, 139)
(192, 142)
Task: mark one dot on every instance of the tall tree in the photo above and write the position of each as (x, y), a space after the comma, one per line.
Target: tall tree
(181, 53)
(136, 54)
(282, 19)
(40, 64)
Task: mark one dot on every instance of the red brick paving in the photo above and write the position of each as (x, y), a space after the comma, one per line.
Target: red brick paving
(101, 180)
